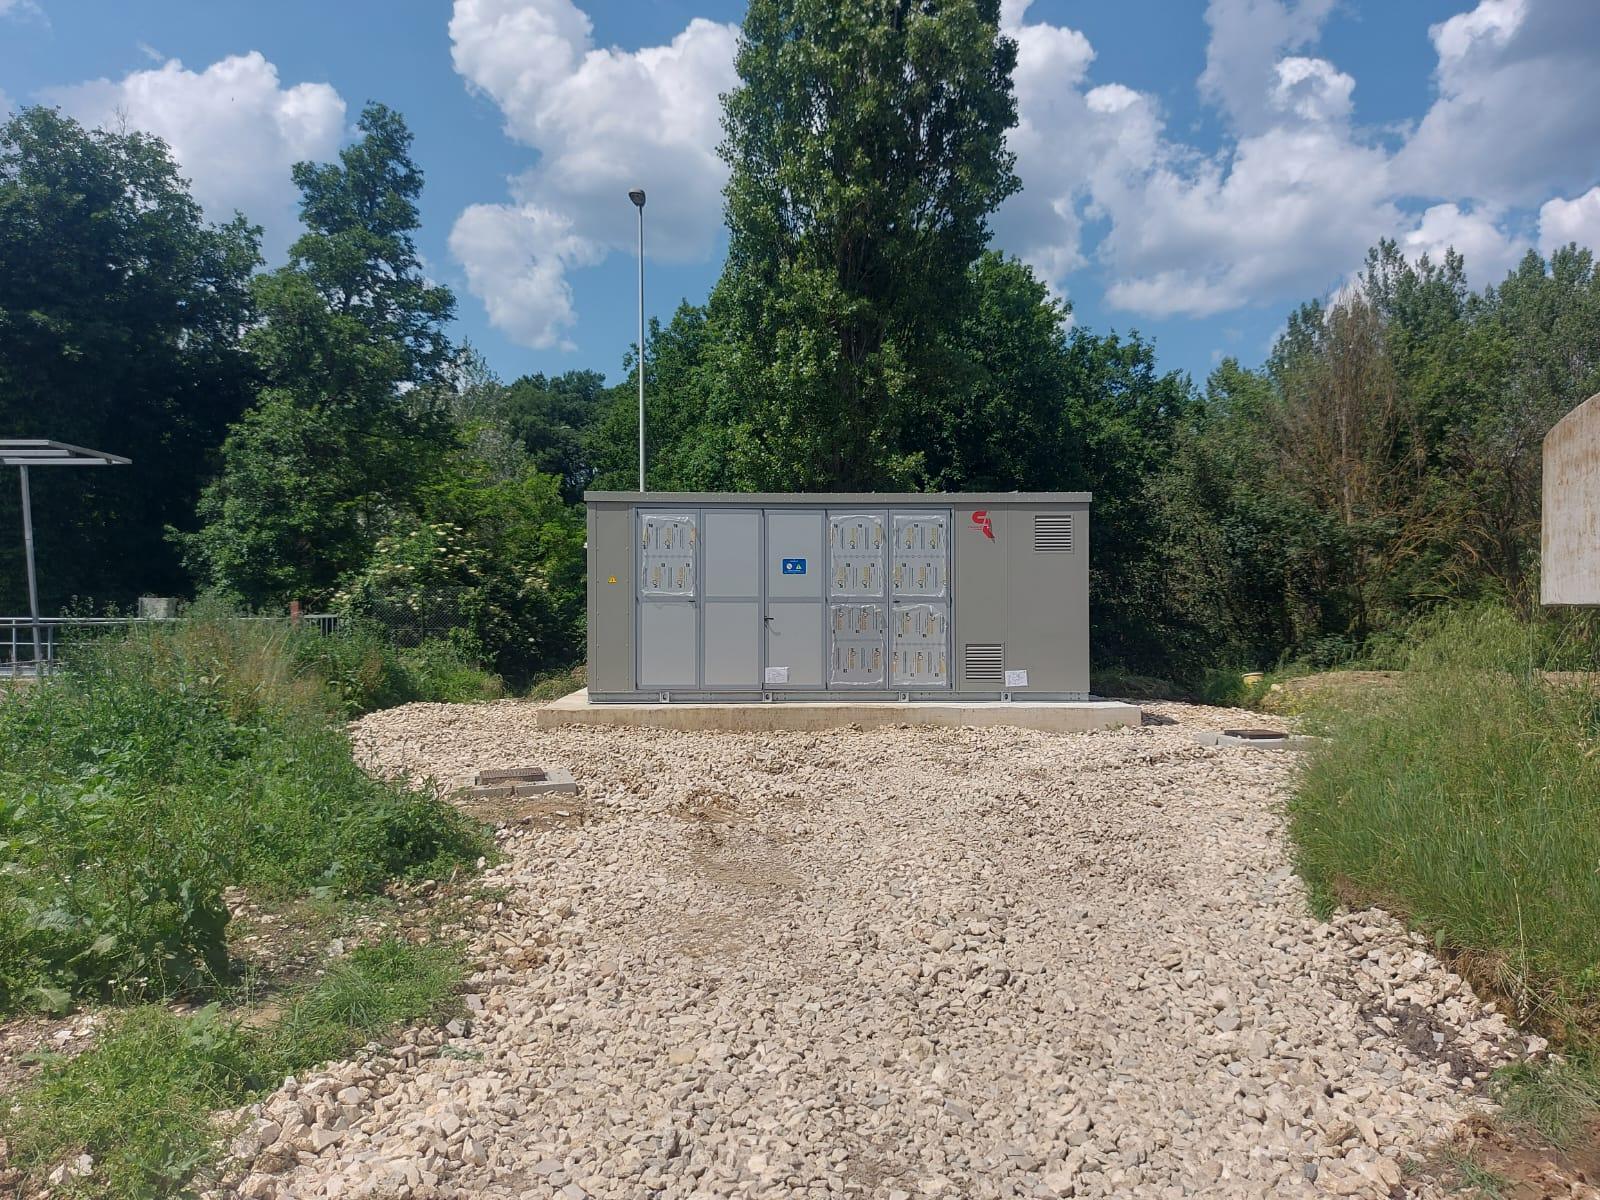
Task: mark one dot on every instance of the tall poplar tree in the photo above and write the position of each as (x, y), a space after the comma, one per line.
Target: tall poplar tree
(866, 144)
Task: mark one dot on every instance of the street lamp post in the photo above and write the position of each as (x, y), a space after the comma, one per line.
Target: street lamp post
(637, 196)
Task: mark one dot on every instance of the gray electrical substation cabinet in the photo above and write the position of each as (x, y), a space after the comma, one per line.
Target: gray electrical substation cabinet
(717, 596)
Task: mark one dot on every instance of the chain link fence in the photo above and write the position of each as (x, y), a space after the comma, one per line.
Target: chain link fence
(409, 618)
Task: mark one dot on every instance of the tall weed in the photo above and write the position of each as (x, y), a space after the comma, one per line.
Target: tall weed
(1468, 799)
(161, 767)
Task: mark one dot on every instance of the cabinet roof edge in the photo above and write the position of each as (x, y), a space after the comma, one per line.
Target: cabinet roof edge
(827, 499)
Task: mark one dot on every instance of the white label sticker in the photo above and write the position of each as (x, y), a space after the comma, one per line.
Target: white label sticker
(1016, 679)
(776, 675)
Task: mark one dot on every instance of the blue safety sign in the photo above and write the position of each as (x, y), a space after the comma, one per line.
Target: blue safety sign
(794, 566)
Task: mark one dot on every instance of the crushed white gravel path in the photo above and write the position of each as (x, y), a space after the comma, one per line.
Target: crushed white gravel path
(889, 964)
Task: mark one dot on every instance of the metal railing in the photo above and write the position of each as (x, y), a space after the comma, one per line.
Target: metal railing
(52, 636)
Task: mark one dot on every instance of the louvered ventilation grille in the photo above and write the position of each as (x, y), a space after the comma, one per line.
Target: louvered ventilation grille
(984, 662)
(1053, 532)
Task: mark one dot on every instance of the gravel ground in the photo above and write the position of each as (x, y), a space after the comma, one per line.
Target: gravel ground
(893, 963)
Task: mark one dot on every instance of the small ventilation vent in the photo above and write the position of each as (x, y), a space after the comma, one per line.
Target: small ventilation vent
(984, 662)
(1052, 532)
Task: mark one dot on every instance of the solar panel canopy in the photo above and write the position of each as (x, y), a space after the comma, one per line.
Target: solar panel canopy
(41, 452)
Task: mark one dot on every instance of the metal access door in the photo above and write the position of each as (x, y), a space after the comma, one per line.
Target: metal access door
(731, 634)
(795, 572)
(667, 544)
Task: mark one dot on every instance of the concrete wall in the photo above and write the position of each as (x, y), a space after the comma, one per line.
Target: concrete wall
(1570, 523)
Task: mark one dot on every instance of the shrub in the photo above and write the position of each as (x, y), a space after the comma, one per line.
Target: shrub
(360, 668)
(500, 557)
(161, 767)
(439, 670)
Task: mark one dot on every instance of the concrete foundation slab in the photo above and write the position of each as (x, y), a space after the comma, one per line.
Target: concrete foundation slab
(1055, 716)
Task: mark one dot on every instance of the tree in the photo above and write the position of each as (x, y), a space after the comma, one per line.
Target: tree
(866, 145)
(332, 453)
(120, 318)
(1008, 428)
(358, 251)
(687, 446)
(552, 418)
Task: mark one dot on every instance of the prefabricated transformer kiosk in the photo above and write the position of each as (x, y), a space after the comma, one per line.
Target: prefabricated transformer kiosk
(717, 596)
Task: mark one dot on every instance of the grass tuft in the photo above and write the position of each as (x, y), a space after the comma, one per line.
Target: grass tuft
(140, 1101)
(1558, 1099)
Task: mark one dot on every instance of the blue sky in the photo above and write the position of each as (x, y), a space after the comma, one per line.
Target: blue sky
(1191, 170)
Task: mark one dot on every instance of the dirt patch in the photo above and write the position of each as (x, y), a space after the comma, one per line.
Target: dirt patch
(27, 1042)
(556, 811)
(743, 862)
(1525, 1167)
(1430, 1039)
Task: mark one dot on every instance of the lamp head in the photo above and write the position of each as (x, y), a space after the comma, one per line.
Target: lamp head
(637, 196)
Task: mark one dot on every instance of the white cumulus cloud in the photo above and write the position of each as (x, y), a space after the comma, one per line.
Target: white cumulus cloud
(1248, 37)
(1297, 191)
(1287, 207)
(233, 127)
(1518, 107)
(1311, 89)
(602, 120)
(1576, 220)
(1474, 233)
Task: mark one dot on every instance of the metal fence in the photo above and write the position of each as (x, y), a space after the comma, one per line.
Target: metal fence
(29, 647)
(408, 618)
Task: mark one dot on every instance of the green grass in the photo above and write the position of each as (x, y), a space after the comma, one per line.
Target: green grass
(141, 1100)
(1467, 1175)
(1467, 799)
(1128, 685)
(364, 672)
(556, 684)
(164, 766)
(1559, 1100)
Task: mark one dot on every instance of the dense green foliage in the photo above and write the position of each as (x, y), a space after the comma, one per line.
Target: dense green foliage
(364, 671)
(330, 450)
(164, 766)
(1468, 800)
(120, 319)
(141, 1100)
(1386, 460)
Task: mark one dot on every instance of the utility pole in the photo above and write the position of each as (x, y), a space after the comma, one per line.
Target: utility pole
(637, 196)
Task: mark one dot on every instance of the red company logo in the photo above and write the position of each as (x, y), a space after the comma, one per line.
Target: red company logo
(980, 518)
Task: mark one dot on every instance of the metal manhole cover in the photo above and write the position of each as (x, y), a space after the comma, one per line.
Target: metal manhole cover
(1256, 735)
